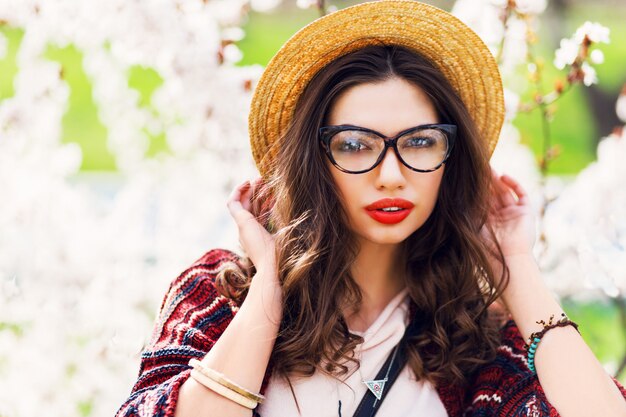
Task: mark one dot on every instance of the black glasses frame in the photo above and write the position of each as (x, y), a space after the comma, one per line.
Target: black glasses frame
(327, 132)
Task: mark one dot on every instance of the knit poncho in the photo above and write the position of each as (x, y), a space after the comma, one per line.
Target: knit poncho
(193, 315)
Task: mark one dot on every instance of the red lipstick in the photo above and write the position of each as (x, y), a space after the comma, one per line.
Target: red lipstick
(397, 210)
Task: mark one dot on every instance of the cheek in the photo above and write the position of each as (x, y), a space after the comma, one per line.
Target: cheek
(428, 188)
(341, 184)
(436, 190)
(349, 191)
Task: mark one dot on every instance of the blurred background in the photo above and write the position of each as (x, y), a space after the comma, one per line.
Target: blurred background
(123, 128)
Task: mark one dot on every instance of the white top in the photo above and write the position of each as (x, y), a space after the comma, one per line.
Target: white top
(318, 395)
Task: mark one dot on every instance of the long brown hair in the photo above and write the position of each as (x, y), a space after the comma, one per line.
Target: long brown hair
(451, 282)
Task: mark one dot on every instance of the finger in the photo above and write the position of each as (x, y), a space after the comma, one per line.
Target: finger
(235, 205)
(240, 215)
(246, 197)
(504, 192)
(522, 196)
(499, 200)
(235, 195)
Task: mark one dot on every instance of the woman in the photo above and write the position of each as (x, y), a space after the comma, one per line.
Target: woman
(378, 244)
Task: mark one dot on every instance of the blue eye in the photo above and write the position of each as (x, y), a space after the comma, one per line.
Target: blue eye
(419, 142)
(355, 142)
(351, 145)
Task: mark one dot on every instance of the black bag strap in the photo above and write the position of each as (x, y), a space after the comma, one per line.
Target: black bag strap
(369, 404)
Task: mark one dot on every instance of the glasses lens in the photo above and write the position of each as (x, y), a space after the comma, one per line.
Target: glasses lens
(423, 149)
(354, 150)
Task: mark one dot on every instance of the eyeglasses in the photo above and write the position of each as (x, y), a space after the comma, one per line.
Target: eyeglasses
(355, 149)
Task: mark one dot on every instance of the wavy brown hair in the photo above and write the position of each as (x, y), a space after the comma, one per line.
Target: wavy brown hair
(450, 279)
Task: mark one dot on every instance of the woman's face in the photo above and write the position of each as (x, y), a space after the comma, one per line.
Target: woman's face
(387, 107)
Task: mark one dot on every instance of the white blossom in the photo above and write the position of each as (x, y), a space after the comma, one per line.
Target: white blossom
(531, 6)
(232, 53)
(590, 76)
(595, 32)
(514, 158)
(511, 104)
(585, 226)
(483, 16)
(620, 107)
(233, 34)
(306, 4)
(264, 5)
(566, 54)
(596, 56)
(515, 47)
(86, 258)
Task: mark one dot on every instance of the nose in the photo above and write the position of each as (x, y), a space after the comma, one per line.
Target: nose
(389, 172)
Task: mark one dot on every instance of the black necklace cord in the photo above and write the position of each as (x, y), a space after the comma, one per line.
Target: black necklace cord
(369, 405)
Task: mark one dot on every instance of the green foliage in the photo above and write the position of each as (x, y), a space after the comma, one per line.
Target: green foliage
(8, 65)
(265, 33)
(573, 129)
(14, 328)
(146, 81)
(80, 122)
(85, 408)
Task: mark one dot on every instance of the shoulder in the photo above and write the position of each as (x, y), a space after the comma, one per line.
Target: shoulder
(203, 271)
(192, 317)
(192, 301)
(214, 259)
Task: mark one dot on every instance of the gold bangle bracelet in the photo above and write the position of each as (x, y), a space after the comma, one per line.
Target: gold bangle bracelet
(222, 390)
(222, 380)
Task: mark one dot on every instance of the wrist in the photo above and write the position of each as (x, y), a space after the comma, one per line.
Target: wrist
(266, 293)
(527, 297)
(524, 277)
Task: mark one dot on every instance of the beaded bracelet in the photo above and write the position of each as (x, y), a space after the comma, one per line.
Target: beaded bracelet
(535, 338)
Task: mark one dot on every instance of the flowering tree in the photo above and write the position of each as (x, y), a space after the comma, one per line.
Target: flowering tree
(84, 262)
(582, 240)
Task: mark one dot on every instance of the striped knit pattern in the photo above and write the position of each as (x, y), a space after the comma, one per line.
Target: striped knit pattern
(193, 315)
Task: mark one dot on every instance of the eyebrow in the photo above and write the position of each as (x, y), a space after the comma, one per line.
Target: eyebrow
(399, 133)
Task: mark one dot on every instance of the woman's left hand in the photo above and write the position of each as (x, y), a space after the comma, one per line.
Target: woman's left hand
(511, 216)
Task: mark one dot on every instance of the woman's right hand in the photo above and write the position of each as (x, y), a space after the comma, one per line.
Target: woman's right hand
(254, 239)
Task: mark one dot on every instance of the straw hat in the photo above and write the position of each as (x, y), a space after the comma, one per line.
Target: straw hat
(442, 38)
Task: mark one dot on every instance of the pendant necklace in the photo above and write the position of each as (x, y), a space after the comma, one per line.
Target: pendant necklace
(376, 386)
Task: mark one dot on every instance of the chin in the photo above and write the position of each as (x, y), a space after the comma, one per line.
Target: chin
(382, 234)
(387, 237)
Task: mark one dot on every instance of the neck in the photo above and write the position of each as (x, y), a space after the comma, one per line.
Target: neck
(379, 274)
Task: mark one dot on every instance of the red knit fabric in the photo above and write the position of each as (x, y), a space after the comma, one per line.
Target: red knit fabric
(193, 316)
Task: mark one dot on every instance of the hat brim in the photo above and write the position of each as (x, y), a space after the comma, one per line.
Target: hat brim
(446, 41)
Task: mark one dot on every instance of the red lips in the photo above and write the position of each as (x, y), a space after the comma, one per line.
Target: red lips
(390, 202)
(389, 217)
